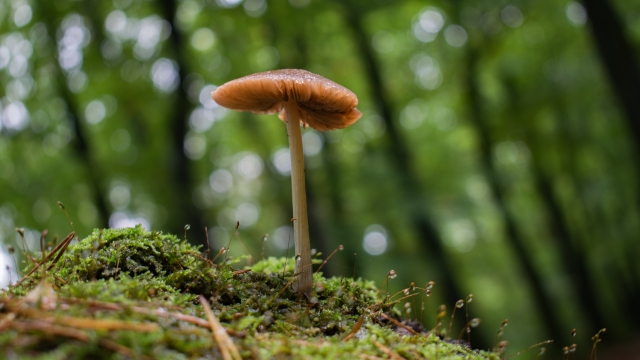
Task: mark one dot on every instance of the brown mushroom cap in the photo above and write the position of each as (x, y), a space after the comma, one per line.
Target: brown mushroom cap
(323, 104)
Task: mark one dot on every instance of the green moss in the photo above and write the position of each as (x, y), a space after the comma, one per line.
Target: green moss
(138, 278)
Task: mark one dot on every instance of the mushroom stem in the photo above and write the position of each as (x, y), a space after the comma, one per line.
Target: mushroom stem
(299, 198)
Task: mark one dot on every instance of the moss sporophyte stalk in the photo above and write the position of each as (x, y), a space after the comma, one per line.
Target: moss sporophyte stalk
(131, 293)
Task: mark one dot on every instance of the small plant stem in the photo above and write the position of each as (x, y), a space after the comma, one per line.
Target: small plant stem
(327, 259)
(299, 198)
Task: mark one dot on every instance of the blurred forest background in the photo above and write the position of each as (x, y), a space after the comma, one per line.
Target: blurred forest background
(498, 151)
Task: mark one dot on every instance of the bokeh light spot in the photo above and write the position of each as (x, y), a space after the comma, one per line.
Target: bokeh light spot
(221, 181)
(576, 13)
(195, 146)
(255, 8)
(95, 112)
(282, 161)
(312, 143)
(164, 74)
(203, 39)
(429, 22)
(512, 16)
(247, 214)
(119, 195)
(375, 240)
(248, 165)
(455, 35)
(22, 15)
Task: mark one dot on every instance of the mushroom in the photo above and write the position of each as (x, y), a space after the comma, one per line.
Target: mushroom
(304, 98)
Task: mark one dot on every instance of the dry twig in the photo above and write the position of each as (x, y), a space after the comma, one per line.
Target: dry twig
(227, 347)
(387, 351)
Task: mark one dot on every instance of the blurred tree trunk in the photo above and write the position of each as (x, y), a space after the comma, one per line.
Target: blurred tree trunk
(85, 154)
(535, 281)
(595, 222)
(594, 227)
(410, 189)
(619, 60)
(80, 142)
(572, 254)
(185, 212)
(570, 249)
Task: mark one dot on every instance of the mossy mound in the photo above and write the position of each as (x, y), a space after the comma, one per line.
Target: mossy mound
(129, 293)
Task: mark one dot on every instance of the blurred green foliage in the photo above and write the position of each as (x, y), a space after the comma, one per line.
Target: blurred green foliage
(106, 108)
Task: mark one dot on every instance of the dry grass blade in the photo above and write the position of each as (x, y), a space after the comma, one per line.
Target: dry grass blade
(154, 312)
(121, 349)
(83, 323)
(227, 347)
(387, 351)
(355, 329)
(6, 320)
(97, 324)
(72, 333)
(62, 244)
(370, 357)
(65, 244)
(47, 327)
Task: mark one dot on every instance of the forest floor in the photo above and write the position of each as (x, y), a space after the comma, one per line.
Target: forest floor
(129, 293)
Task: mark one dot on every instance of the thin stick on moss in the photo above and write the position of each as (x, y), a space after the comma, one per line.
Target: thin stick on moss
(227, 347)
(399, 324)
